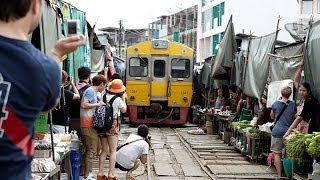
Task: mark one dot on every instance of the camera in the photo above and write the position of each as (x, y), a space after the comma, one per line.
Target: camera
(148, 138)
(73, 27)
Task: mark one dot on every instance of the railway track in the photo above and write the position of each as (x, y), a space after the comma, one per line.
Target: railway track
(177, 155)
(169, 158)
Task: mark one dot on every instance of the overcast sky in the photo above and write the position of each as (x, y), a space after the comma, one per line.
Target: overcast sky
(134, 13)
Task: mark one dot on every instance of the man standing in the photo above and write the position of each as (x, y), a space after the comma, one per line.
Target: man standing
(130, 156)
(283, 112)
(29, 83)
(74, 112)
(89, 102)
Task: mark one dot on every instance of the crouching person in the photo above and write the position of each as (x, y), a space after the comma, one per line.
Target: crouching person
(134, 151)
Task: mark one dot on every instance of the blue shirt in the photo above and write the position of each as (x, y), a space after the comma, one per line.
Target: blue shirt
(286, 119)
(29, 83)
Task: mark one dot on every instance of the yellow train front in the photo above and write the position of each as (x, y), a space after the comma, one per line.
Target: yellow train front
(159, 82)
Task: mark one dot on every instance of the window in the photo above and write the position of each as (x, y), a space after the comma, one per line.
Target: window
(217, 13)
(159, 68)
(138, 67)
(180, 68)
(318, 7)
(215, 41)
(203, 2)
(306, 7)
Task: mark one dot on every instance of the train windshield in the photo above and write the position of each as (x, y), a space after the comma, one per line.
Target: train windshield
(180, 68)
(138, 67)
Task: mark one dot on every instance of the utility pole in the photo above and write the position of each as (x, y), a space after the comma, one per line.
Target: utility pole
(120, 37)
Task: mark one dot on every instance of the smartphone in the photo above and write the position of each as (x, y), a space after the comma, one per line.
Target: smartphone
(73, 27)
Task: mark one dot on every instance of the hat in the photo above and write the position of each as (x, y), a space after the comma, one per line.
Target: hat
(117, 86)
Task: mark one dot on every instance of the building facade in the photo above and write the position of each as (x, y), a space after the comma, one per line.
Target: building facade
(309, 10)
(249, 17)
(179, 27)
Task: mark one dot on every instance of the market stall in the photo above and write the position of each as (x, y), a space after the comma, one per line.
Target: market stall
(53, 152)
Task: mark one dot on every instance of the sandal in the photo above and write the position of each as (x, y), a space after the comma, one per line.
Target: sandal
(113, 178)
(104, 177)
(130, 177)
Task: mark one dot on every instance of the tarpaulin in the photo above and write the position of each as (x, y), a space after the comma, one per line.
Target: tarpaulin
(225, 54)
(50, 26)
(205, 75)
(237, 70)
(286, 62)
(258, 66)
(312, 62)
(119, 66)
(98, 61)
(79, 57)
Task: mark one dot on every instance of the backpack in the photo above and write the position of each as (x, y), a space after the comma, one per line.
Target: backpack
(74, 108)
(103, 116)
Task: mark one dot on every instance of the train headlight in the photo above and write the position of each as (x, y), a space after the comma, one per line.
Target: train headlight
(185, 99)
(132, 98)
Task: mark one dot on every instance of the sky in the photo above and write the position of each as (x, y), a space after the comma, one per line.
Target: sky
(135, 14)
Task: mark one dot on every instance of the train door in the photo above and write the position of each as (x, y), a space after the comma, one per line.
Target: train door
(159, 78)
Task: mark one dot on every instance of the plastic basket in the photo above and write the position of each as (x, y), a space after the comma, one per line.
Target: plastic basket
(290, 166)
(41, 123)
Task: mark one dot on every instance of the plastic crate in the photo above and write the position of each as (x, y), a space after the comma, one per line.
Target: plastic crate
(41, 123)
(42, 153)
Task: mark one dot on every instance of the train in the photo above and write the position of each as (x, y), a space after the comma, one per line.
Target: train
(159, 76)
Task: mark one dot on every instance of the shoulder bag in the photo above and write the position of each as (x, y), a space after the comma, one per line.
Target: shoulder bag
(278, 117)
(121, 146)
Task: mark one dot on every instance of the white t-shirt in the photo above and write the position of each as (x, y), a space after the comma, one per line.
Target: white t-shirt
(117, 105)
(128, 154)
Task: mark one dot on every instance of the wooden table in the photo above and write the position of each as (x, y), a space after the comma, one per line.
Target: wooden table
(65, 163)
(253, 149)
(264, 143)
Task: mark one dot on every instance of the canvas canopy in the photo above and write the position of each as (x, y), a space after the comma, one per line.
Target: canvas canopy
(312, 62)
(225, 54)
(286, 62)
(237, 70)
(257, 69)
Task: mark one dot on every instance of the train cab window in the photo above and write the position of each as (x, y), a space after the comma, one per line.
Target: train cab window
(138, 67)
(180, 68)
(159, 68)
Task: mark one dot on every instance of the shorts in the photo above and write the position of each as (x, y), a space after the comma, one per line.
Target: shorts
(114, 131)
(121, 168)
(276, 145)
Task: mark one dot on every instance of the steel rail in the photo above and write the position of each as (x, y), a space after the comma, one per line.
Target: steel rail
(194, 155)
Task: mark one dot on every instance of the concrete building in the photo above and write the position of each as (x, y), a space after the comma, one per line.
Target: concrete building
(180, 27)
(309, 9)
(121, 40)
(258, 17)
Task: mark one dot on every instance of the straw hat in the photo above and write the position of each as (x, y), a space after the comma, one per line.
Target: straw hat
(117, 86)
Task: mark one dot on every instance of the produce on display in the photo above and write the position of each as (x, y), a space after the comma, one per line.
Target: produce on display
(244, 124)
(313, 144)
(295, 146)
(255, 132)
